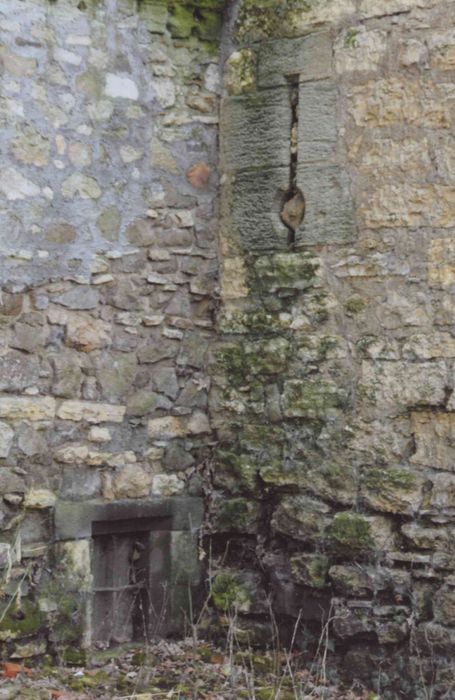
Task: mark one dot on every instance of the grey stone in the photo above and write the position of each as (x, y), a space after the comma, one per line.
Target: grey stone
(317, 132)
(18, 371)
(329, 215)
(80, 297)
(193, 394)
(10, 482)
(6, 439)
(309, 57)
(164, 380)
(177, 458)
(28, 337)
(67, 374)
(193, 350)
(253, 206)
(115, 374)
(256, 130)
(30, 441)
(145, 401)
(156, 349)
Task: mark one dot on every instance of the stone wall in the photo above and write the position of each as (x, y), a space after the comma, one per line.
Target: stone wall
(333, 374)
(108, 266)
(326, 453)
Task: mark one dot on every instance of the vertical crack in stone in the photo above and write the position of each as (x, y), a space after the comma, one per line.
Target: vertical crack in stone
(293, 207)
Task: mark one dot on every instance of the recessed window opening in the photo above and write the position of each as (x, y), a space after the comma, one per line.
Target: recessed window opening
(129, 588)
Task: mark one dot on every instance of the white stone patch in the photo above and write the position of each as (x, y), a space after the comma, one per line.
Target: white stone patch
(64, 56)
(167, 485)
(121, 86)
(129, 154)
(6, 439)
(13, 185)
(40, 498)
(165, 91)
(100, 111)
(47, 192)
(82, 186)
(13, 108)
(78, 40)
(212, 78)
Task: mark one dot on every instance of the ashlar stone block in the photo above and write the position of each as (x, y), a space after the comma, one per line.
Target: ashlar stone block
(329, 216)
(252, 204)
(317, 135)
(308, 56)
(434, 435)
(256, 130)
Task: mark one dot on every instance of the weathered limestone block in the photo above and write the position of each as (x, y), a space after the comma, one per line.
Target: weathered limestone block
(301, 518)
(317, 132)
(310, 569)
(239, 515)
(442, 497)
(39, 498)
(392, 489)
(233, 280)
(434, 435)
(239, 591)
(167, 485)
(253, 204)
(441, 262)
(170, 427)
(27, 407)
(256, 131)
(384, 102)
(442, 50)
(383, 158)
(310, 399)
(90, 412)
(445, 603)
(240, 72)
(360, 49)
(309, 57)
(329, 216)
(431, 538)
(405, 205)
(396, 385)
(358, 581)
(259, 19)
(86, 334)
(389, 624)
(285, 271)
(370, 8)
(429, 347)
(133, 481)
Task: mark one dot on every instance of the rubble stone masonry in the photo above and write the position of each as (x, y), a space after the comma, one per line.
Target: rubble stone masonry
(236, 285)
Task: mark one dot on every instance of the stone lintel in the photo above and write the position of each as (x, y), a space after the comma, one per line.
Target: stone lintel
(73, 521)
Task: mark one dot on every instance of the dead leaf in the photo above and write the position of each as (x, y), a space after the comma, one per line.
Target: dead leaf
(11, 670)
